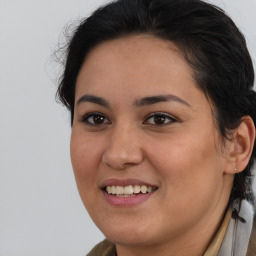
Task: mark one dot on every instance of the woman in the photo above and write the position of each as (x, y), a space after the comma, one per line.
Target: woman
(163, 128)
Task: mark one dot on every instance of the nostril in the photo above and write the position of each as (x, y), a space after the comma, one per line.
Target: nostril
(122, 158)
(114, 165)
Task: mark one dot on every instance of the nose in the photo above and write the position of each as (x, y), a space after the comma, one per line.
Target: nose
(123, 148)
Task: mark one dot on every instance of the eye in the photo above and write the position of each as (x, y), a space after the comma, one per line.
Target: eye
(159, 119)
(95, 119)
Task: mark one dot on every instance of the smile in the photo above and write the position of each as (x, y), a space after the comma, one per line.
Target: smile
(128, 191)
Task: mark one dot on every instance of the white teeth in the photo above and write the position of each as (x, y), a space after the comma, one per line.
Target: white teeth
(113, 189)
(109, 189)
(119, 190)
(124, 195)
(128, 190)
(149, 189)
(136, 189)
(144, 189)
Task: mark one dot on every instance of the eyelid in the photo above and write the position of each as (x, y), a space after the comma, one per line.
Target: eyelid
(84, 118)
(172, 118)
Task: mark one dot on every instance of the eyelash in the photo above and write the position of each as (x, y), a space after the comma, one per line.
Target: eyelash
(165, 116)
(86, 119)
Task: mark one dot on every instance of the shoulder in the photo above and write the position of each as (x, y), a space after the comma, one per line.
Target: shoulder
(252, 244)
(104, 248)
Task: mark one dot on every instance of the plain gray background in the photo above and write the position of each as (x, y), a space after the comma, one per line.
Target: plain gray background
(40, 209)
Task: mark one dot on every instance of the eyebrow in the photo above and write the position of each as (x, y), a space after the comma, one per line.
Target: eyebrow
(93, 99)
(157, 99)
(150, 100)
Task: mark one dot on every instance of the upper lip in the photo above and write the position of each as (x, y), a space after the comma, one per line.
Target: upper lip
(124, 182)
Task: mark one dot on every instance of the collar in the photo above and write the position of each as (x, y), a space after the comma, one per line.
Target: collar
(238, 233)
(215, 245)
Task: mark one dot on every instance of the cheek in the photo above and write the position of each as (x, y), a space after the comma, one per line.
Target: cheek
(85, 157)
(192, 179)
(189, 165)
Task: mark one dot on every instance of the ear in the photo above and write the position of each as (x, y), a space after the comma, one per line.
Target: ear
(241, 146)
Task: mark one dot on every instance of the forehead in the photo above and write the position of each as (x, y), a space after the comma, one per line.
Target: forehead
(134, 61)
(134, 44)
(128, 48)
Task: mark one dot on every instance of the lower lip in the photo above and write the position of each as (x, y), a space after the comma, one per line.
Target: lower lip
(127, 201)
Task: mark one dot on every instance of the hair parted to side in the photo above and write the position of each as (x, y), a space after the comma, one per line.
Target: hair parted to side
(208, 39)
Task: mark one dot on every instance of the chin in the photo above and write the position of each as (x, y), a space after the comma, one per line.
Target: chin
(130, 238)
(127, 234)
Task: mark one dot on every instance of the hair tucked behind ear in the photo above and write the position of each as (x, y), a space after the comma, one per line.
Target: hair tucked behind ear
(242, 187)
(210, 42)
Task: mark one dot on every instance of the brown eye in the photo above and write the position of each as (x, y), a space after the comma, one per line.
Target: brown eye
(98, 119)
(160, 119)
(95, 119)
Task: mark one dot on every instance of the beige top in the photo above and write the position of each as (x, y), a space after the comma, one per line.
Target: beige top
(215, 245)
(104, 248)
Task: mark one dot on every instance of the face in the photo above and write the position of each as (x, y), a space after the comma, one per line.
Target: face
(144, 146)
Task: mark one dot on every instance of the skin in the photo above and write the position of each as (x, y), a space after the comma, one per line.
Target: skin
(183, 157)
